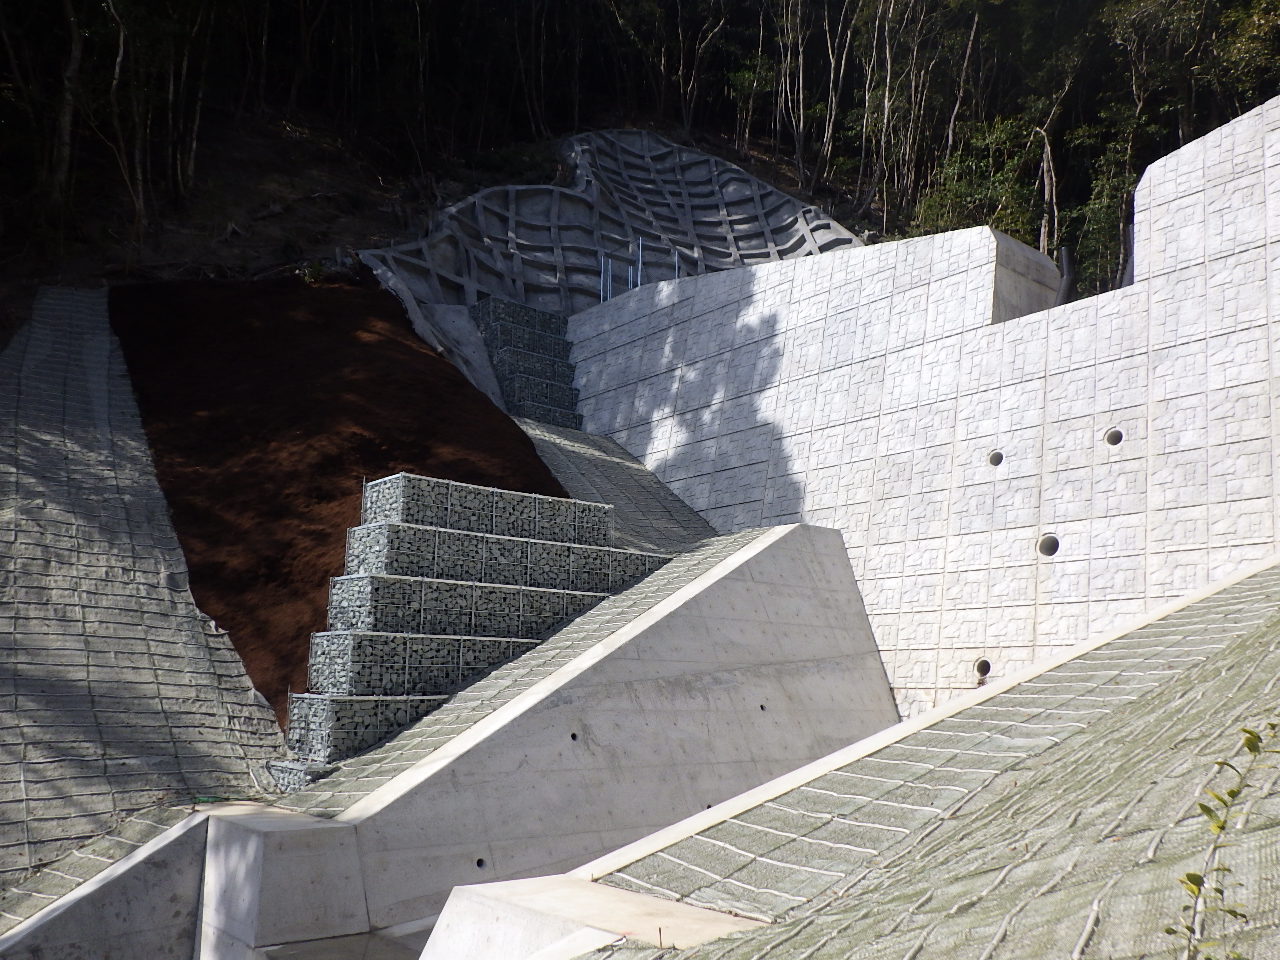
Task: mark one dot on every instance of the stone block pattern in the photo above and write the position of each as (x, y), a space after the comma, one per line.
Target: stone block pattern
(372, 602)
(116, 692)
(327, 727)
(428, 502)
(542, 245)
(881, 391)
(530, 361)
(1049, 820)
(400, 665)
(407, 550)
(444, 582)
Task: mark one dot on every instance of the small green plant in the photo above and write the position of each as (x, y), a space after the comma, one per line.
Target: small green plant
(1207, 888)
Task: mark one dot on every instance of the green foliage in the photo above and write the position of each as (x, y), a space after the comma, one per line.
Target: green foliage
(1034, 117)
(984, 182)
(1206, 889)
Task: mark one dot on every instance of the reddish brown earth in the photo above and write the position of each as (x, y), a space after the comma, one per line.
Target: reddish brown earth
(265, 404)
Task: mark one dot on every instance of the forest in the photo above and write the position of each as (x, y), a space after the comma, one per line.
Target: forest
(899, 116)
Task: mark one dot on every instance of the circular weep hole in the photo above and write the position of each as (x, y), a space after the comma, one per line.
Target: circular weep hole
(573, 736)
(1113, 436)
(983, 669)
(996, 458)
(762, 706)
(1048, 545)
(480, 862)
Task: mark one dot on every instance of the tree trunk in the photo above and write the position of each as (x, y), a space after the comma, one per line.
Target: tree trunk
(61, 175)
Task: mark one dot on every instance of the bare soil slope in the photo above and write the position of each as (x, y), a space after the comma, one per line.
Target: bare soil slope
(266, 403)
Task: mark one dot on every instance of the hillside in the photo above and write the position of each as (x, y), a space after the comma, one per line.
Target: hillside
(265, 403)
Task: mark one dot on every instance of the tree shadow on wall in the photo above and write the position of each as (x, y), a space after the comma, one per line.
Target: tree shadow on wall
(701, 420)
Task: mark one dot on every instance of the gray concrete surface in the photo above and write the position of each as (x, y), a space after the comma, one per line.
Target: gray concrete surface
(647, 515)
(116, 693)
(542, 245)
(144, 904)
(1051, 820)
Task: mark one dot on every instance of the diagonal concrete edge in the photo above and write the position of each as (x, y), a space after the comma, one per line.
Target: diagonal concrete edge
(646, 846)
(120, 907)
(510, 712)
(562, 917)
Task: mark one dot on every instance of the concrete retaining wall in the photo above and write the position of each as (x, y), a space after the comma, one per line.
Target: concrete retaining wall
(906, 394)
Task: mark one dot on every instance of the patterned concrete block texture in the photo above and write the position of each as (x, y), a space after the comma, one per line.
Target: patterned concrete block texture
(645, 203)
(116, 692)
(1008, 478)
(1052, 818)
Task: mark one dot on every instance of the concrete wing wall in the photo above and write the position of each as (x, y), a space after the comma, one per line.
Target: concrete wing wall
(887, 392)
(765, 660)
(144, 905)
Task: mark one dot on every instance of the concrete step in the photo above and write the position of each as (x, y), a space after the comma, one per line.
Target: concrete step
(426, 501)
(409, 550)
(544, 414)
(520, 388)
(505, 334)
(377, 603)
(495, 310)
(509, 362)
(403, 664)
(325, 728)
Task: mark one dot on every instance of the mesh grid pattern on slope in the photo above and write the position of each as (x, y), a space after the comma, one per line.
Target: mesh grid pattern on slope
(1075, 851)
(718, 213)
(117, 693)
(647, 515)
(361, 775)
(541, 245)
(43, 887)
(777, 859)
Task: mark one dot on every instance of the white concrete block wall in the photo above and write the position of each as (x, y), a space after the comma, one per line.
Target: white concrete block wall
(867, 389)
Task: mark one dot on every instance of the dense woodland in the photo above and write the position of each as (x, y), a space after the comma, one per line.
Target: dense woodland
(906, 116)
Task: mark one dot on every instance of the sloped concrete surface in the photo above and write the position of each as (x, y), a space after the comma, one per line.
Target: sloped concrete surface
(117, 693)
(647, 515)
(542, 245)
(360, 776)
(142, 901)
(1051, 820)
(717, 671)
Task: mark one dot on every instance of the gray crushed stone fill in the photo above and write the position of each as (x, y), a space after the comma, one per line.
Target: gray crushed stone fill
(361, 775)
(647, 515)
(116, 693)
(1050, 821)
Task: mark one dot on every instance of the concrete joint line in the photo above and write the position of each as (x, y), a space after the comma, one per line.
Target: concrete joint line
(507, 713)
(656, 842)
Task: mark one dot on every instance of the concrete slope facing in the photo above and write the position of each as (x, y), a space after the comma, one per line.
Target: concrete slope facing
(1051, 816)
(717, 671)
(117, 693)
(647, 515)
(642, 209)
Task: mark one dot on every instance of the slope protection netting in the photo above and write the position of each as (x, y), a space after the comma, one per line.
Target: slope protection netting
(641, 209)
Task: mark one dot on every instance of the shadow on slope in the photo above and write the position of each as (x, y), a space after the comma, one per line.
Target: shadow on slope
(265, 404)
